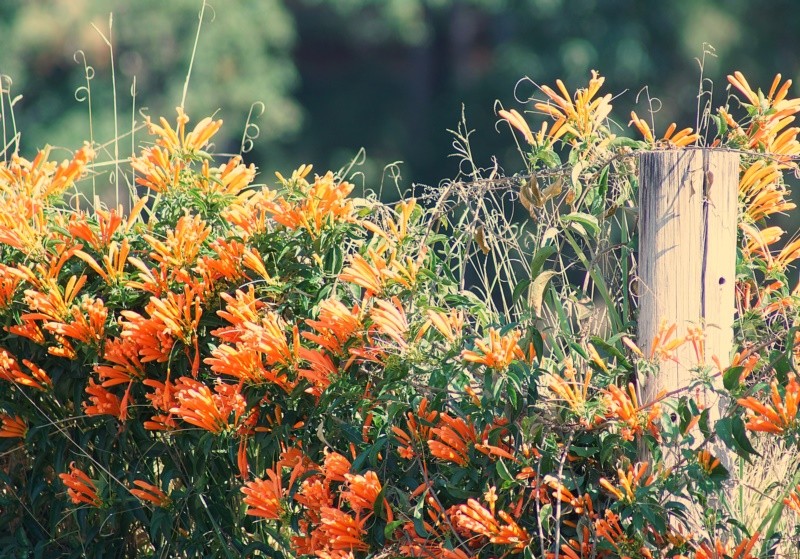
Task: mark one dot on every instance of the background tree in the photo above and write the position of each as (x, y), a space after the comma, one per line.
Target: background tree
(387, 76)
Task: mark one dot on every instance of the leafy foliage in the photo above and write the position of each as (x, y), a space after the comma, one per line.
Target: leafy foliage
(227, 368)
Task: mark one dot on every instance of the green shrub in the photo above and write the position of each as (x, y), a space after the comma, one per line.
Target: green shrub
(233, 369)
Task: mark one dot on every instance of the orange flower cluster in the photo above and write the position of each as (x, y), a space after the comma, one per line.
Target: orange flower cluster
(719, 550)
(778, 417)
(759, 241)
(385, 265)
(450, 325)
(12, 427)
(377, 273)
(762, 190)
(665, 343)
(12, 372)
(103, 402)
(580, 505)
(473, 518)
(264, 497)
(629, 482)
(197, 405)
(765, 300)
(497, 352)
(389, 319)
(792, 500)
(767, 129)
(581, 117)
(573, 391)
(326, 530)
(418, 432)
(321, 203)
(451, 438)
(164, 167)
(681, 139)
(335, 327)
(611, 530)
(257, 349)
(99, 228)
(176, 141)
(582, 549)
(149, 493)
(80, 488)
(624, 407)
(25, 187)
(707, 461)
(174, 318)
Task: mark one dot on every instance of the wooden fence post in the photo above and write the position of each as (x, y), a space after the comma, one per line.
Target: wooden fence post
(687, 255)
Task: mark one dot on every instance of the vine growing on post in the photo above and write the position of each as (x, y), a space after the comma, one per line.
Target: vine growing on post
(283, 370)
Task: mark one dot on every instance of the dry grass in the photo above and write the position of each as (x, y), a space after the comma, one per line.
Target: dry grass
(762, 484)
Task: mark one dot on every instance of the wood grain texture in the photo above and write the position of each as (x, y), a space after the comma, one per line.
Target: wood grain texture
(687, 254)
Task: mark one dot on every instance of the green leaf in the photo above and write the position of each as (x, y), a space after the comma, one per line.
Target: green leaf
(579, 349)
(519, 290)
(719, 474)
(334, 260)
(730, 378)
(725, 429)
(502, 471)
(655, 520)
(781, 365)
(583, 451)
(624, 142)
(537, 289)
(725, 432)
(611, 444)
(740, 436)
(535, 337)
(389, 529)
(721, 124)
(588, 223)
(540, 257)
(602, 345)
(549, 158)
(602, 183)
(419, 525)
(544, 516)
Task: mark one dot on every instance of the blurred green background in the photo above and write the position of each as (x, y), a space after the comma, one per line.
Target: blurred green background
(386, 75)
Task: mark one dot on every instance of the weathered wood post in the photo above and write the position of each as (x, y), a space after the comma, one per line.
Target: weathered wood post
(687, 255)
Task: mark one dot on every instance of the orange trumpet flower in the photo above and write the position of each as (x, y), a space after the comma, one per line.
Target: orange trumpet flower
(390, 320)
(102, 402)
(264, 497)
(335, 467)
(362, 491)
(335, 326)
(585, 114)
(681, 139)
(12, 427)
(498, 352)
(149, 493)
(80, 488)
(11, 371)
(629, 482)
(342, 531)
(451, 439)
(778, 417)
(197, 405)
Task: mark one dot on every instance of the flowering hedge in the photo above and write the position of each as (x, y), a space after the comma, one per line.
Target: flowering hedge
(233, 369)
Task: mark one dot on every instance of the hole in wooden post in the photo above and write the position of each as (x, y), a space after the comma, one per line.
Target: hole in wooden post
(722, 281)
